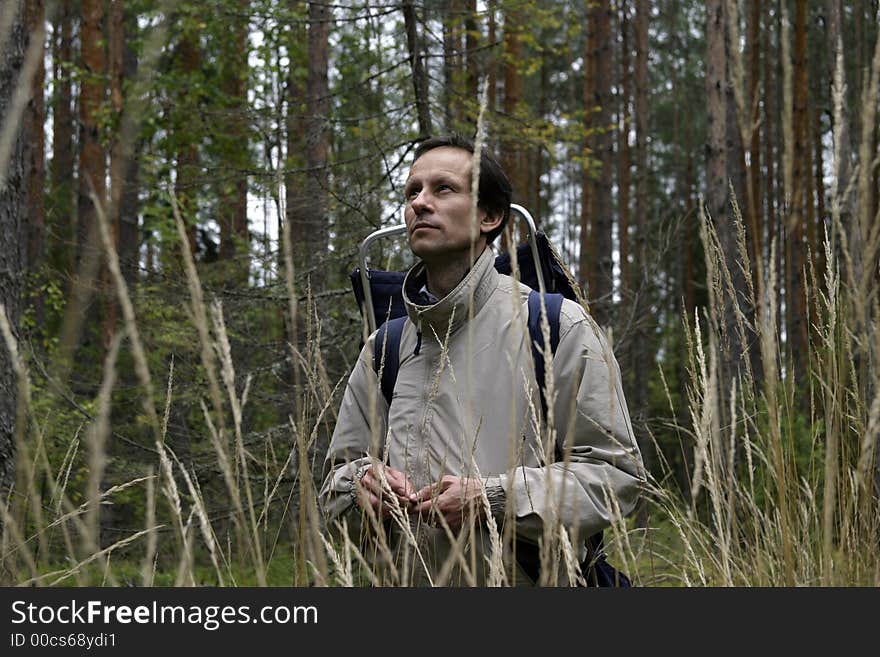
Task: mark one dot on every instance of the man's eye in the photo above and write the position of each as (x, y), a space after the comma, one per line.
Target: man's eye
(441, 188)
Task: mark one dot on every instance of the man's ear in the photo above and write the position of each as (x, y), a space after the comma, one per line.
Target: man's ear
(488, 222)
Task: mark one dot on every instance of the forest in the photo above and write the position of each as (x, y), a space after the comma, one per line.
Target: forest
(184, 187)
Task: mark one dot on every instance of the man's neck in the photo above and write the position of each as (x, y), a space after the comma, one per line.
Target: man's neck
(443, 277)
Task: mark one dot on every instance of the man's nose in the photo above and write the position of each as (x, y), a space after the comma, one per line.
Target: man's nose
(421, 202)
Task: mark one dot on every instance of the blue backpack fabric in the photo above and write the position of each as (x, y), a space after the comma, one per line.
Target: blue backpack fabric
(595, 569)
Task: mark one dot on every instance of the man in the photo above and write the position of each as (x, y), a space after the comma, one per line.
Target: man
(442, 486)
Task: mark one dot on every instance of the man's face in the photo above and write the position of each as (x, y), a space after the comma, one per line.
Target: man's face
(438, 206)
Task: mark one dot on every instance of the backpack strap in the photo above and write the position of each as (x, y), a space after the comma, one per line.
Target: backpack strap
(553, 304)
(388, 336)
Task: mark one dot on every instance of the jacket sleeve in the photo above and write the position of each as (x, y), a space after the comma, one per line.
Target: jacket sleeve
(594, 433)
(357, 438)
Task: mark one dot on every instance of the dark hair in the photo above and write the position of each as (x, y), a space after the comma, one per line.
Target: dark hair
(495, 191)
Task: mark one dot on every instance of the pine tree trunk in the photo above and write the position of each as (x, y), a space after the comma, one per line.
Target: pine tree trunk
(602, 216)
(768, 119)
(643, 358)
(232, 201)
(116, 39)
(63, 218)
(512, 153)
(536, 164)
(735, 351)
(188, 61)
(624, 162)
(129, 233)
(34, 156)
(820, 71)
(92, 167)
(586, 266)
(419, 74)
(13, 197)
(492, 65)
(451, 62)
(795, 230)
(472, 44)
(92, 170)
(755, 203)
(317, 138)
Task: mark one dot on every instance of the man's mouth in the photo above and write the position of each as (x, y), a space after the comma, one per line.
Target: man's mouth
(422, 224)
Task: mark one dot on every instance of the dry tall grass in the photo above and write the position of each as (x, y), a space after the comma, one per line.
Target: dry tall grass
(770, 502)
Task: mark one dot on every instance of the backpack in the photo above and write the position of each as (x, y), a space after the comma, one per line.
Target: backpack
(595, 568)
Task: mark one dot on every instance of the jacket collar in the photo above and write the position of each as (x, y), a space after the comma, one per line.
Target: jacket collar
(476, 287)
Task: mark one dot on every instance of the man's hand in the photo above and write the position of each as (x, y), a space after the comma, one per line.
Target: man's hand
(371, 493)
(453, 498)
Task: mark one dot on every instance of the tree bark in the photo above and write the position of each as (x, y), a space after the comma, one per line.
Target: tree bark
(472, 43)
(797, 307)
(513, 155)
(116, 39)
(232, 208)
(769, 119)
(727, 232)
(419, 75)
(188, 61)
(624, 163)
(451, 62)
(602, 216)
(586, 267)
(92, 166)
(755, 203)
(642, 356)
(35, 153)
(492, 64)
(63, 219)
(129, 204)
(843, 149)
(317, 138)
(13, 196)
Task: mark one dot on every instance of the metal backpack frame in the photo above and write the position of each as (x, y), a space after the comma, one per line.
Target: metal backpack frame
(365, 273)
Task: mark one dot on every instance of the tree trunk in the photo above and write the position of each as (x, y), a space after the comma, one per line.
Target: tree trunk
(513, 155)
(62, 219)
(716, 113)
(317, 138)
(795, 230)
(472, 43)
(92, 170)
(642, 357)
(769, 119)
(624, 162)
(820, 70)
(34, 163)
(735, 351)
(232, 208)
(755, 203)
(188, 61)
(92, 167)
(13, 197)
(602, 217)
(843, 150)
(294, 187)
(586, 266)
(127, 213)
(451, 50)
(492, 65)
(116, 38)
(417, 65)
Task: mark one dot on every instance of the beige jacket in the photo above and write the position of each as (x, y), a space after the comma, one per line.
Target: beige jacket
(465, 403)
